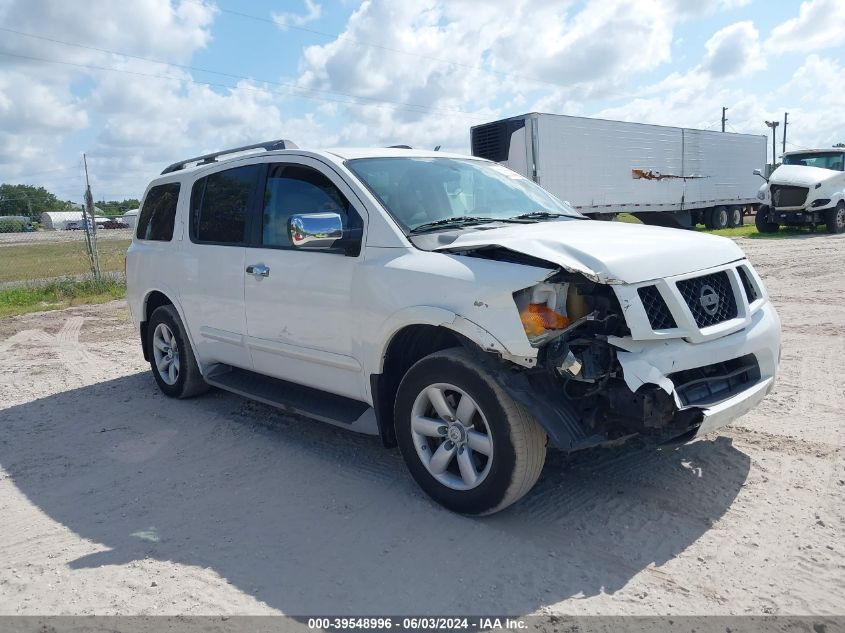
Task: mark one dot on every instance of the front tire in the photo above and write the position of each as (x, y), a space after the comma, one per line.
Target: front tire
(835, 218)
(761, 221)
(467, 444)
(172, 359)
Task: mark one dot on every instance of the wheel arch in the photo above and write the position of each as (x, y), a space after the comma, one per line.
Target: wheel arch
(153, 299)
(406, 344)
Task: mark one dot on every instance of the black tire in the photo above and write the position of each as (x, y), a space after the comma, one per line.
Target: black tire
(189, 381)
(835, 218)
(518, 442)
(720, 218)
(735, 216)
(761, 221)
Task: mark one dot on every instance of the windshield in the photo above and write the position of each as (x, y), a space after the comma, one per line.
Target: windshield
(418, 192)
(826, 160)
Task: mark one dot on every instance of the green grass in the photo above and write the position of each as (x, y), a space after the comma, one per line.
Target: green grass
(28, 262)
(747, 230)
(59, 294)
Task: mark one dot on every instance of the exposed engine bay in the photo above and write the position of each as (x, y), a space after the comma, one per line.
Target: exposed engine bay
(569, 318)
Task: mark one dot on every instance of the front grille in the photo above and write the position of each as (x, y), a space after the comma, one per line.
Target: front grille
(656, 308)
(788, 196)
(717, 382)
(710, 298)
(750, 290)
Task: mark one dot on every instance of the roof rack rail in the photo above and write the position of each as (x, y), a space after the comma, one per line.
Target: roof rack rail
(207, 159)
(399, 147)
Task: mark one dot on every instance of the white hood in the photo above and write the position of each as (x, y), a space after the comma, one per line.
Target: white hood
(611, 252)
(801, 175)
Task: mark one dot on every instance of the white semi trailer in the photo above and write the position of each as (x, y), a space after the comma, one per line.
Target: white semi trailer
(663, 175)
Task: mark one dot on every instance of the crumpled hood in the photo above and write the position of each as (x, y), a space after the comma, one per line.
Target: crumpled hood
(611, 252)
(801, 175)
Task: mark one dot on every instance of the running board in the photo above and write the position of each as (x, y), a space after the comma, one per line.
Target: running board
(327, 407)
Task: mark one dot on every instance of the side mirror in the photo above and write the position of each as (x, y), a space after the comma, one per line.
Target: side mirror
(757, 172)
(315, 230)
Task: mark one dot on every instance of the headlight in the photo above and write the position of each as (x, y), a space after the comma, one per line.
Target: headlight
(761, 195)
(542, 310)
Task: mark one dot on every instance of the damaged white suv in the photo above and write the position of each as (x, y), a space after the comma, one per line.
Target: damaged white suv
(445, 304)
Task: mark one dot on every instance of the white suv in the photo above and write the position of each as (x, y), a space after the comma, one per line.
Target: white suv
(445, 304)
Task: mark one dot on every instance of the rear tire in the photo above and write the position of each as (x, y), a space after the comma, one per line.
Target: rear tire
(735, 216)
(835, 218)
(172, 359)
(476, 465)
(720, 218)
(761, 221)
(707, 218)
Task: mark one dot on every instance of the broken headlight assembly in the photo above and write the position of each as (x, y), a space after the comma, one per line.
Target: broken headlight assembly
(551, 309)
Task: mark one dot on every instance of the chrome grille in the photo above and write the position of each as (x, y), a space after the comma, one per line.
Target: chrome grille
(710, 298)
(655, 307)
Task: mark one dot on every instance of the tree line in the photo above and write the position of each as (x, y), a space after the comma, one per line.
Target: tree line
(31, 202)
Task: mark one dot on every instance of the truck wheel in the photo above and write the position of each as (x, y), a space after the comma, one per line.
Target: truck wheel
(835, 218)
(707, 218)
(172, 360)
(761, 221)
(720, 218)
(468, 445)
(735, 216)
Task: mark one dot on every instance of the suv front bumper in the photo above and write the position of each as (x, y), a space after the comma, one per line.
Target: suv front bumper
(652, 362)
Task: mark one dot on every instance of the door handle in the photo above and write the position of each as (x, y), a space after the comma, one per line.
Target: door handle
(258, 270)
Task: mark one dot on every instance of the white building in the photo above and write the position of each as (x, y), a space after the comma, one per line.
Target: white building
(58, 220)
(130, 218)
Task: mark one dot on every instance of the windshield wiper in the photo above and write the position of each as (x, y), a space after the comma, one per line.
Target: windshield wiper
(467, 220)
(540, 215)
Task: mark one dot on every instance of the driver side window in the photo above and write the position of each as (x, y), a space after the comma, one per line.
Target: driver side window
(293, 189)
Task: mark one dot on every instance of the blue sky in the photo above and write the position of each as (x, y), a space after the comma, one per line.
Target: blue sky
(380, 72)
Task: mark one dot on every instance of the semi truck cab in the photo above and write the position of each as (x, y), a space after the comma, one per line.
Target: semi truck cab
(808, 189)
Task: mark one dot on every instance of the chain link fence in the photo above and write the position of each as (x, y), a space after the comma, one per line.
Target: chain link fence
(31, 256)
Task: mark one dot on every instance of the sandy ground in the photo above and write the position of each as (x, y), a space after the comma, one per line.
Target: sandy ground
(115, 500)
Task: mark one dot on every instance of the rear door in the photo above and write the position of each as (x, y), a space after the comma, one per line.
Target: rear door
(213, 289)
(302, 324)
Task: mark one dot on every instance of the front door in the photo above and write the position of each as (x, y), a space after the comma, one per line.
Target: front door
(301, 323)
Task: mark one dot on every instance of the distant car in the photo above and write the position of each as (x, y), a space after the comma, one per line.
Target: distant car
(73, 226)
(113, 224)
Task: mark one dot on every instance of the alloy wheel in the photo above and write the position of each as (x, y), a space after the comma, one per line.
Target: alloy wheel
(451, 436)
(166, 354)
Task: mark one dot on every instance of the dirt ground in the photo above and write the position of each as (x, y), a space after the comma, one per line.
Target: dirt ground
(115, 500)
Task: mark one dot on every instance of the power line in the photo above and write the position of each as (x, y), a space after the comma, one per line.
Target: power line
(352, 40)
(290, 86)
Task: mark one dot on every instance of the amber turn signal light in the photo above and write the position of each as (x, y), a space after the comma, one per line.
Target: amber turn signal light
(537, 318)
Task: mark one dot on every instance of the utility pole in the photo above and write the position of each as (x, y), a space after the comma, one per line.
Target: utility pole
(724, 120)
(90, 231)
(774, 126)
(785, 116)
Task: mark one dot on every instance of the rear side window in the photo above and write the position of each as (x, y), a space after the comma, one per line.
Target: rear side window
(155, 222)
(220, 205)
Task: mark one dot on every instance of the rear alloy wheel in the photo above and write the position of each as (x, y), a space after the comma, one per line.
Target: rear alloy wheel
(735, 216)
(719, 218)
(761, 221)
(172, 360)
(835, 218)
(467, 444)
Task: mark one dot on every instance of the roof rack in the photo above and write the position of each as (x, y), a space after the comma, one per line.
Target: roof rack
(399, 147)
(207, 159)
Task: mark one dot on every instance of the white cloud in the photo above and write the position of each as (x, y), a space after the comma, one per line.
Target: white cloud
(734, 51)
(313, 11)
(818, 25)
